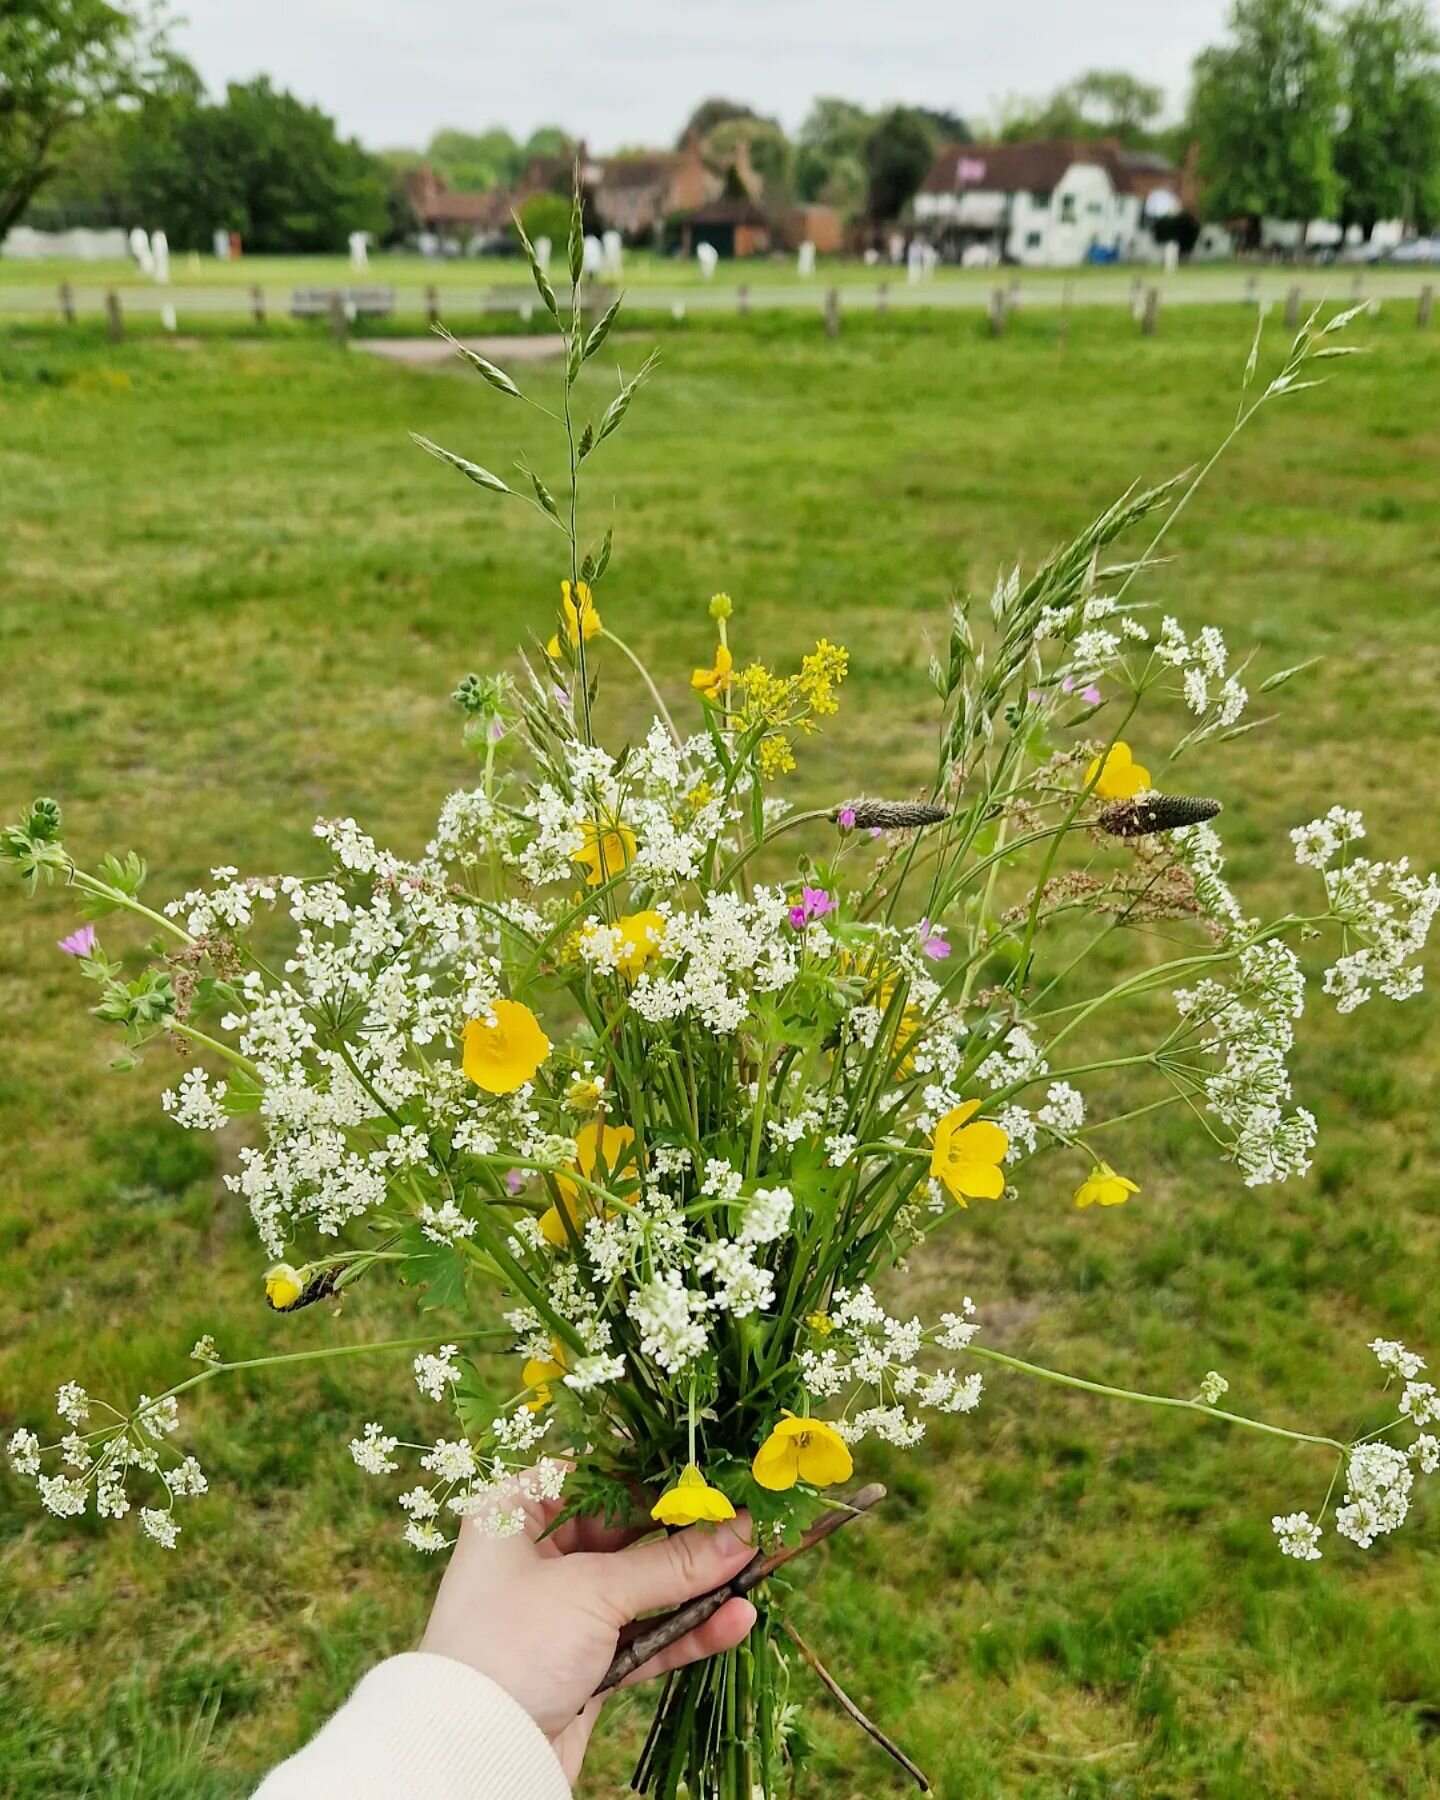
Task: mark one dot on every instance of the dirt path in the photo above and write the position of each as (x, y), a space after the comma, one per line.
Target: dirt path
(424, 352)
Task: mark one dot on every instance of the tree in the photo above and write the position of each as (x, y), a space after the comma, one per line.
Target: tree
(830, 153)
(949, 127)
(63, 62)
(1118, 104)
(898, 155)
(712, 112)
(546, 216)
(473, 162)
(1387, 156)
(771, 153)
(1263, 112)
(261, 163)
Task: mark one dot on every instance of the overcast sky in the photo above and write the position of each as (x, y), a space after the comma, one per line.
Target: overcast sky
(629, 71)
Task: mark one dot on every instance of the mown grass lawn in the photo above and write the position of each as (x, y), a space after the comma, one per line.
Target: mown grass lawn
(232, 597)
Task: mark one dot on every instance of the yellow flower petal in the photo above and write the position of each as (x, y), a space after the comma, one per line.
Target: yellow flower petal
(712, 682)
(503, 1053)
(966, 1158)
(776, 1464)
(283, 1286)
(692, 1501)
(1103, 1187)
(802, 1450)
(604, 852)
(641, 934)
(1119, 777)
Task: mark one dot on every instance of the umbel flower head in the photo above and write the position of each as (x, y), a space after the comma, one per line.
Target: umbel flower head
(802, 1450)
(579, 618)
(692, 1501)
(1118, 776)
(503, 1052)
(966, 1158)
(1103, 1187)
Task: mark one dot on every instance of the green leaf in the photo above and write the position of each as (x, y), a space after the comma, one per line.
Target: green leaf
(487, 371)
(437, 1268)
(243, 1094)
(601, 330)
(473, 471)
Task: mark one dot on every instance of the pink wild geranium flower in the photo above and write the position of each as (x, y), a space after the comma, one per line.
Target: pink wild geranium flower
(79, 943)
(933, 941)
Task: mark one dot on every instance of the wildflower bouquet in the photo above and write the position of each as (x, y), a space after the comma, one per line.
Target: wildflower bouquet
(635, 1102)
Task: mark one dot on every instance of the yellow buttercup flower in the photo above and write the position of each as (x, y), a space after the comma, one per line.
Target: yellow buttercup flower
(503, 1055)
(578, 617)
(713, 682)
(597, 1146)
(539, 1372)
(1103, 1187)
(641, 935)
(802, 1450)
(692, 1501)
(605, 851)
(966, 1158)
(283, 1286)
(1120, 778)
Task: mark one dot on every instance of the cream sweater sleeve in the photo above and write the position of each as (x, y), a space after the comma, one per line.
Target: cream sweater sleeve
(422, 1727)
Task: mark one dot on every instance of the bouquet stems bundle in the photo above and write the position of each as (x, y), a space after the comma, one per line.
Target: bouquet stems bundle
(642, 1081)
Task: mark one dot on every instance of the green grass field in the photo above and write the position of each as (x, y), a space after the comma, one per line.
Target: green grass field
(233, 597)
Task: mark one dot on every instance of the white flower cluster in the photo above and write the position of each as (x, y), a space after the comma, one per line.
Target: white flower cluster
(1379, 1477)
(721, 958)
(867, 1350)
(97, 1464)
(1248, 1023)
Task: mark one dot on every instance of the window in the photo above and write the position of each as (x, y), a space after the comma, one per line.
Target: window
(1095, 207)
(1067, 209)
(1040, 199)
(1034, 239)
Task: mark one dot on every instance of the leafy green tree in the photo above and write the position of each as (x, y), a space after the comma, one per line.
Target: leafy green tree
(1264, 111)
(547, 140)
(948, 126)
(261, 163)
(1388, 153)
(475, 161)
(830, 153)
(547, 216)
(898, 155)
(710, 113)
(63, 63)
(771, 152)
(1118, 104)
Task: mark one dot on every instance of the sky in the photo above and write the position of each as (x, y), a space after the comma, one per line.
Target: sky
(629, 71)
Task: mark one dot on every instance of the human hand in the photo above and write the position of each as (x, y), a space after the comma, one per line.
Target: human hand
(542, 1618)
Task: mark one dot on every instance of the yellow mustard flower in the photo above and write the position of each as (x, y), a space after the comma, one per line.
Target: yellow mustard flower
(283, 1286)
(606, 850)
(802, 1450)
(585, 1092)
(578, 617)
(1120, 777)
(692, 1501)
(713, 682)
(1103, 1187)
(966, 1158)
(820, 1323)
(539, 1372)
(503, 1055)
(641, 935)
(597, 1146)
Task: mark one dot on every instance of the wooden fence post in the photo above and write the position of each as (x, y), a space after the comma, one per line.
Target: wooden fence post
(339, 324)
(742, 299)
(832, 312)
(1252, 289)
(114, 318)
(1151, 316)
(1137, 301)
(1425, 307)
(997, 312)
(257, 304)
(67, 303)
(1357, 284)
(432, 304)
(1292, 309)
(1012, 299)
(882, 297)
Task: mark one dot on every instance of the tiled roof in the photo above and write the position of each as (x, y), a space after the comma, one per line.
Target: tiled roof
(1033, 167)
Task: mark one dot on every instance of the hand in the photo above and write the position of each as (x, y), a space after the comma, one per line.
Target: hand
(543, 1618)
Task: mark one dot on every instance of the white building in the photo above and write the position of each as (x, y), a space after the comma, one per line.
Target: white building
(1050, 204)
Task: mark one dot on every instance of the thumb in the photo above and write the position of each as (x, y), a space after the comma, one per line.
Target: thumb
(669, 1571)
